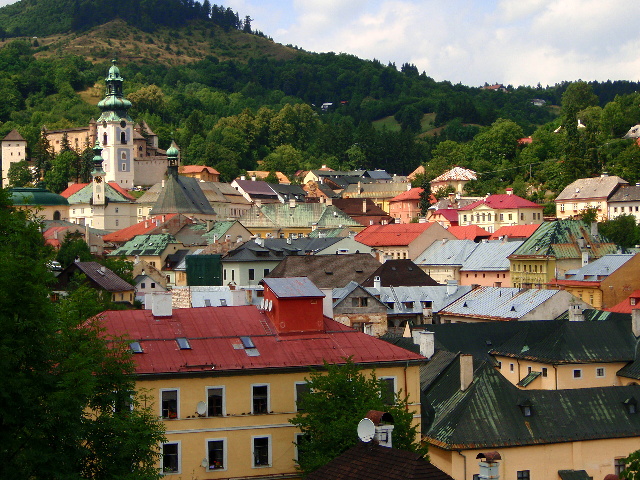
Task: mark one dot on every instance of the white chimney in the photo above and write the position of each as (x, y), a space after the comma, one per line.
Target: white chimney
(329, 201)
(364, 205)
(509, 191)
(466, 371)
(427, 344)
(635, 321)
(377, 283)
(585, 258)
(575, 313)
(292, 203)
(160, 304)
(489, 466)
(452, 287)
(242, 177)
(258, 203)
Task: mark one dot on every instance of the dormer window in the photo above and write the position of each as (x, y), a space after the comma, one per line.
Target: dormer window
(631, 405)
(526, 408)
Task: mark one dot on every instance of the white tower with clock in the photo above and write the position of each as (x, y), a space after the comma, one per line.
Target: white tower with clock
(115, 132)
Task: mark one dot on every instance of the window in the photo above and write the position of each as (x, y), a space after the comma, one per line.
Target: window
(104, 139)
(618, 466)
(511, 367)
(523, 475)
(117, 222)
(577, 373)
(600, 372)
(169, 403)
(153, 285)
(217, 453)
(116, 209)
(544, 371)
(499, 365)
(266, 272)
(252, 274)
(299, 439)
(123, 137)
(302, 389)
(359, 302)
(388, 390)
(143, 285)
(501, 217)
(215, 401)
(171, 457)
(259, 399)
(261, 451)
(521, 216)
(511, 216)
(528, 369)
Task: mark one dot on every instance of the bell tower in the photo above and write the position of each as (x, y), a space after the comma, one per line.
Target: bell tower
(115, 131)
(98, 199)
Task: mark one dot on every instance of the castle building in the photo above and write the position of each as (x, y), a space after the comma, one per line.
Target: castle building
(14, 149)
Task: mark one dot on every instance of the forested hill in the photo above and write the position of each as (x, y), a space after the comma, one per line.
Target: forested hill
(47, 17)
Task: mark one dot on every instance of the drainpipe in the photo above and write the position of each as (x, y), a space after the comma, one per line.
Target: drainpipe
(556, 375)
(464, 475)
(406, 389)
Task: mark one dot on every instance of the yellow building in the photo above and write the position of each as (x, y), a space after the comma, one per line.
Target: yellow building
(539, 434)
(225, 379)
(585, 194)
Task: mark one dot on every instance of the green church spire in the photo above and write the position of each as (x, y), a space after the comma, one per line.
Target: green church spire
(114, 106)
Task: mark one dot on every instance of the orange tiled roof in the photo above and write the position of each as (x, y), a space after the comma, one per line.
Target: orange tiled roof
(468, 232)
(395, 234)
(197, 169)
(412, 194)
(141, 228)
(515, 231)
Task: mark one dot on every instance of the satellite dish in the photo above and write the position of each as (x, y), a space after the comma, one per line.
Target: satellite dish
(269, 305)
(201, 409)
(262, 302)
(205, 462)
(366, 430)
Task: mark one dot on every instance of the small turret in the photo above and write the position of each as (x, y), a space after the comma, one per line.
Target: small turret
(114, 106)
(172, 156)
(98, 174)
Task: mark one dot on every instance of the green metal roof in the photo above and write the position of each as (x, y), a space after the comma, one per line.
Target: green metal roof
(114, 106)
(574, 475)
(530, 377)
(561, 239)
(488, 414)
(145, 245)
(85, 194)
(36, 197)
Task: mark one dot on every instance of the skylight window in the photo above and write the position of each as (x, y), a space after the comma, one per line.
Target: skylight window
(183, 343)
(247, 342)
(136, 347)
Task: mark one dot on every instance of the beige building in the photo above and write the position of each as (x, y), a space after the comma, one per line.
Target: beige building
(587, 193)
(457, 178)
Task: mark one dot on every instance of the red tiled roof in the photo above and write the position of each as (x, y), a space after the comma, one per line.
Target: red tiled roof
(391, 235)
(197, 169)
(121, 190)
(515, 231)
(71, 189)
(625, 305)
(214, 332)
(142, 228)
(502, 201)
(525, 140)
(450, 214)
(412, 194)
(468, 232)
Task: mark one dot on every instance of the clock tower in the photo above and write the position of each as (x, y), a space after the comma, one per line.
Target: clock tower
(115, 132)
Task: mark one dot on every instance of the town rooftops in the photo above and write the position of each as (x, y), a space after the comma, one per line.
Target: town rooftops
(140, 228)
(145, 245)
(626, 193)
(278, 215)
(502, 201)
(597, 188)
(514, 231)
(214, 335)
(399, 272)
(469, 232)
(409, 195)
(395, 234)
(197, 169)
(490, 256)
(182, 195)
(83, 193)
(103, 277)
(597, 270)
(446, 252)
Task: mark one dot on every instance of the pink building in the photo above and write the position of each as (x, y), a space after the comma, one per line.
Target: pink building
(406, 206)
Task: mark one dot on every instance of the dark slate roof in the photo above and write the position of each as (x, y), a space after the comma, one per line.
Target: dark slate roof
(400, 273)
(182, 195)
(292, 287)
(368, 461)
(328, 271)
(103, 277)
(400, 341)
(278, 248)
(574, 475)
(431, 370)
(626, 193)
(631, 370)
(289, 191)
(487, 414)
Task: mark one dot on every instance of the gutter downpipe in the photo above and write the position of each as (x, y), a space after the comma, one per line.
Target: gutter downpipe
(555, 369)
(406, 387)
(465, 464)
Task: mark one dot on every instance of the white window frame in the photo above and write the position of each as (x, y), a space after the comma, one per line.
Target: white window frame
(224, 399)
(604, 372)
(295, 394)
(579, 376)
(268, 397)
(179, 458)
(177, 390)
(224, 454)
(395, 385)
(269, 454)
(296, 440)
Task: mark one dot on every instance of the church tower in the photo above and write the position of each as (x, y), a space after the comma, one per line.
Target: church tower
(115, 132)
(98, 199)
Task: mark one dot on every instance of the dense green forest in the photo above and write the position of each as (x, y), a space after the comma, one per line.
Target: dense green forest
(266, 113)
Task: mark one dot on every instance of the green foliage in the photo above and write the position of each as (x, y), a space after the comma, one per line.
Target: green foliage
(120, 266)
(73, 246)
(632, 466)
(337, 401)
(425, 196)
(443, 192)
(622, 230)
(589, 215)
(61, 379)
(19, 174)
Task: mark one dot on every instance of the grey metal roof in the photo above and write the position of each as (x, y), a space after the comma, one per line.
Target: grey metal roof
(292, 287)
(491, 255)
(599, 269)
(584, 188)
(499, 302)
(446, 252)
(182, 195)
(626, 193)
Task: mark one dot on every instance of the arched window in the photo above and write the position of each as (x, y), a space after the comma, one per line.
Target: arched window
(104, 139)
(123, 138)
(56, 215)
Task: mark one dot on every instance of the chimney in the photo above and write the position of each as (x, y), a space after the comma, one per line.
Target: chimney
(253, 178)
(162, 183)
(364, 205)
(466, 371)
(383, 423)
(604, 174)
(408, 187)
(585, 258)
(594, 229)
(452, 197)
(635, 321)
(329, 202)
(288, 240)
(242, 177)
(427, 344)
(292, 203)
(575, 312)
(509, 191)
(146, 224)
(377, 283)
(160, 304)
(452, 287)
(489, 466)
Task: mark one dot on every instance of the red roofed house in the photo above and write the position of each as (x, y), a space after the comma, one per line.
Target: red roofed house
(470, 232)
(500, 210)
(169, 223)
(404, 240)
(514, 232)
(447, 217)
(406, 206)
(201, 172)
(628, 305)
(225, 379)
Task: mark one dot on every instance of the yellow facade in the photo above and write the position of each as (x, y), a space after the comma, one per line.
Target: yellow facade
(532, 272)
(597, 457)
(491, 219)
(237, 428)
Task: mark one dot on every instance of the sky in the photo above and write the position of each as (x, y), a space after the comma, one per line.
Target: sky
(513, 42)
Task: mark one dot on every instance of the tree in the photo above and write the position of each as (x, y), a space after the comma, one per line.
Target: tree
(425, 196)
(73, 246)
(632, 466)
(328, 415)
(19, 174)
(622, 230)
(57, 178)
(64, 384)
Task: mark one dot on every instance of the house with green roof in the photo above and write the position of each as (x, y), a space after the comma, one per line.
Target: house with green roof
(277, 220)
(47, 204)
(554, 249)
(469, 408)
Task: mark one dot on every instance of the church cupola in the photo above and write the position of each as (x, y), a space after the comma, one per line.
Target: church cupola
(98, 175)
(114, 106)
(172, 156)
